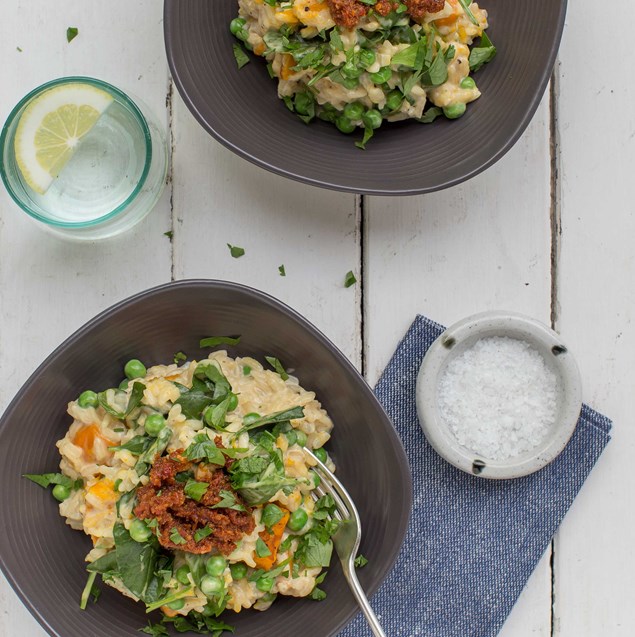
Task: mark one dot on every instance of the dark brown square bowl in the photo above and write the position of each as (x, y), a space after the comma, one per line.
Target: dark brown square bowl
(241, 109)
(43, 558)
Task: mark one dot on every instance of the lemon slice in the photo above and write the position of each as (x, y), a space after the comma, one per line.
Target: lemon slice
(51, 127)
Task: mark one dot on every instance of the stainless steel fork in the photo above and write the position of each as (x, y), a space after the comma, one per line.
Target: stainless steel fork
(347, 537)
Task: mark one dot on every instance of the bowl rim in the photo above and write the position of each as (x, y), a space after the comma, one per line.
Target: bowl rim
(521, 125)
(483, 325)
(406, 473)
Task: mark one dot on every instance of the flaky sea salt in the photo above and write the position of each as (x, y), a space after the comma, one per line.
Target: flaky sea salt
(498, 398)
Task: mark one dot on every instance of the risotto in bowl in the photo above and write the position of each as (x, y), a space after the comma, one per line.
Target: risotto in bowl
(188, 500)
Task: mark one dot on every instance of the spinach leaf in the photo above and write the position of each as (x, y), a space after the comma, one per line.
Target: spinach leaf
(157, 447)
(260, 488)
(431, 114)
(240, 56)
(156, 630)
(277, 365)
(106, 565)
(213, 341)
(46, 479)
(198, 623)
(271, 515)
(202, 448)
(214, 415)
(193, 403)
(135, 446)
(280, 416)
(136, 396)
(482, 54)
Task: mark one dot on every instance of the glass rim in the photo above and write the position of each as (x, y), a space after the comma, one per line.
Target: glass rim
(118, 94)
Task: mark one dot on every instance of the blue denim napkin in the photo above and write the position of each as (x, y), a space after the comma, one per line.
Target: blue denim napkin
(472, 543)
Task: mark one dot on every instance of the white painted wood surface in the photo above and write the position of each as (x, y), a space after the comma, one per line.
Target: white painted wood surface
(485, 244)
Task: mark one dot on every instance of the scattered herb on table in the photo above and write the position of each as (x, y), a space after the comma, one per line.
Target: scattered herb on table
(281, 270)
(169, 234)
(236, 251)
(71, 33)
(349, 279)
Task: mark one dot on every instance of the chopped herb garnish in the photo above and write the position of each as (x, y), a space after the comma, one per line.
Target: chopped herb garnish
(71, 33)
(47, 479)
(155, 630)
(169, 234)
(213, 341)
(201, 534)
(317, 593)
(430, 115)
(18, 49)
(202, 448)
(152, 523)
(117, 485)
(228, 501)
(349, 279)
(368, 134)
(246, 370)
(271, 515)
(281, 270)
(235, 251)
(262, 550)
(277, 365)
(195, 490)
(176, 537)
(135, 446)
(241, 57)
(179, 357)
(279, 417)
(482, 54)
(360, 561)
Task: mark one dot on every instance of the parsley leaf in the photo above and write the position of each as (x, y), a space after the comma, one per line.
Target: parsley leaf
(277, 365)
(262, 550)
(360, 561)
(176, 537)
(195, 490)
(228, 501)
(239, 54)
(349, 279)
(71, 33)
(201, 534)
(213, 341)
(235, 251)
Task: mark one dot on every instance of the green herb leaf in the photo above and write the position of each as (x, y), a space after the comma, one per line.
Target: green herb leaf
(195, 490)
(213, 341)
(87, 590)
(136, 396)
(368, 134)
(71, 33)
(199, 623)
(431, 114)
(314, 550)
(179, 357)
(135, 446)
(169, 234)
(482, 54)
(156, 630)
(271, 515)
(176, 537)
(246, 370)
(214, 415)
(277, 365)
(280, 416)
(281, 270)
(235, 251)
(201, 534)
(262, 550)
(46, 479)
(202, 448)
(349, 279)
(239, 54)
(360, 561)
(468, 12)
(157, 447)
(228, 501)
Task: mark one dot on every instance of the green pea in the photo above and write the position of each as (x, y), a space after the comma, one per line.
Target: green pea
(135, 369)
(251, 418)
(61, 492)
(238, 570)
(182, 575)
(177, 604)
(303, 103)
(394, 100)
(382, 76)
(215, 565)
(298, 520)
(315, 479)
(468, 82)
(300, 437)
(236, 25)
(233, 402)
(139, 531)
(354, 111)
(372, 118)
(344, 124)
(292, 437)
(350, 71)
(350, 83)
(321, 454)
(264, 584)
(154, 424)
(88, 399)
(454, 111)
(367, 58)
(211, 585)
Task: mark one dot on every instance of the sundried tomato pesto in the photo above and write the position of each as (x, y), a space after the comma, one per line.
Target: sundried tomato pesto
(347, 13)
(180, 517)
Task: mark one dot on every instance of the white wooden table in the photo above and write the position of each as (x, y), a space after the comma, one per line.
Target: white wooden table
(548, 231)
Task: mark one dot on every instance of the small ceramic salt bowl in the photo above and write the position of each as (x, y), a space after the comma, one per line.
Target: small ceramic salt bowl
(463, 336)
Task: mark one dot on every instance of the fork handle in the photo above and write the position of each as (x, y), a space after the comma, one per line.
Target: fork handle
(362, 600)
